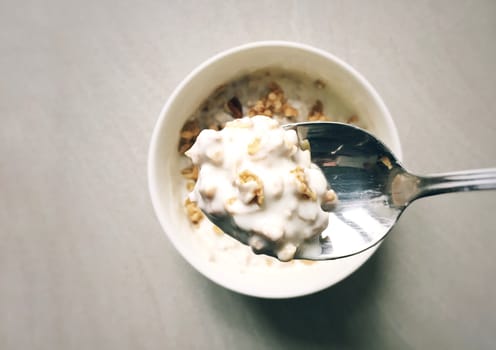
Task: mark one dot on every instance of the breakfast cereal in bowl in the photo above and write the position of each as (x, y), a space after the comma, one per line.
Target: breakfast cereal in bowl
(218, 147)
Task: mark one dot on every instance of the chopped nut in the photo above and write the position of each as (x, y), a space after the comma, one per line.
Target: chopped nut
(267, 112)
(247, 176)
(195, 215)
(330, 196)
(190, 185)
(286, 252)
(240, 123)
(319, 84)
(257, 242)
(274, 87)
(290, 112)
(228, 203)
(317, 107)
(208, 192)
(217, 230)
(304, 144)
(191, 172)
(317, 112)
(183, 147)
(318, 117)
(307, 262)
(188, 134)
(254, 147)
(215, 154)
(303, 188)
(214, 126)
(234, 107)
(191, 125)
(259, 106)
(352, 120)
(387, 162)
(273, 104)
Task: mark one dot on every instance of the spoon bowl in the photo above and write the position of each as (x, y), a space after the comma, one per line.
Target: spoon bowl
(360, 169)
(372, 187)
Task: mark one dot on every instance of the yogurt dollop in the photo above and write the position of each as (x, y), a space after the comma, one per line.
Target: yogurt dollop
(256, 172)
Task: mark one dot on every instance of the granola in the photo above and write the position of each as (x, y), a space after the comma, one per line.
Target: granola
(278, 94)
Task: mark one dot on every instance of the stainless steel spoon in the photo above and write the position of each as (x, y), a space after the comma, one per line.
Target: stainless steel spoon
(372, 187)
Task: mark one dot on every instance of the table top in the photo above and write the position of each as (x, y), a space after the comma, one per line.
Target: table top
(83, 261)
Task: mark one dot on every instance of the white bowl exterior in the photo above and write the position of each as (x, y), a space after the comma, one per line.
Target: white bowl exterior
(164, 168)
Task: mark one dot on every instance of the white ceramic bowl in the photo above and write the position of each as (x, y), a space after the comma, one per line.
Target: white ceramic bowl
(163, 161)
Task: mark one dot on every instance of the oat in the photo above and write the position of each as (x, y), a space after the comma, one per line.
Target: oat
(190, 173)
(247, 176)
(195, 215)
(303, 188)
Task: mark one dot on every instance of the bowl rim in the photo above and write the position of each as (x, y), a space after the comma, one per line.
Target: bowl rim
(152, 150)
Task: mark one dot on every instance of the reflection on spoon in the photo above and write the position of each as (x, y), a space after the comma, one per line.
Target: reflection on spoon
(372, 186)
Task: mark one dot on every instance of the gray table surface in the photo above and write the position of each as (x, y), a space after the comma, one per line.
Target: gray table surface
(83, 261)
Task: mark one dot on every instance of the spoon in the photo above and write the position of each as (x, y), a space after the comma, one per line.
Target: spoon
(373, 190)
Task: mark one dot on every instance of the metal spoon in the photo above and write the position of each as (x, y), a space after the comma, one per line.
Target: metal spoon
(372, 187)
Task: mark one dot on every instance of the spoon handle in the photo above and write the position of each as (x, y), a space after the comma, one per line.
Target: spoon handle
(469, 180)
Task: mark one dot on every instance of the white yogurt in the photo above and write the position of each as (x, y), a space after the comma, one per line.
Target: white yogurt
(255, 171)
